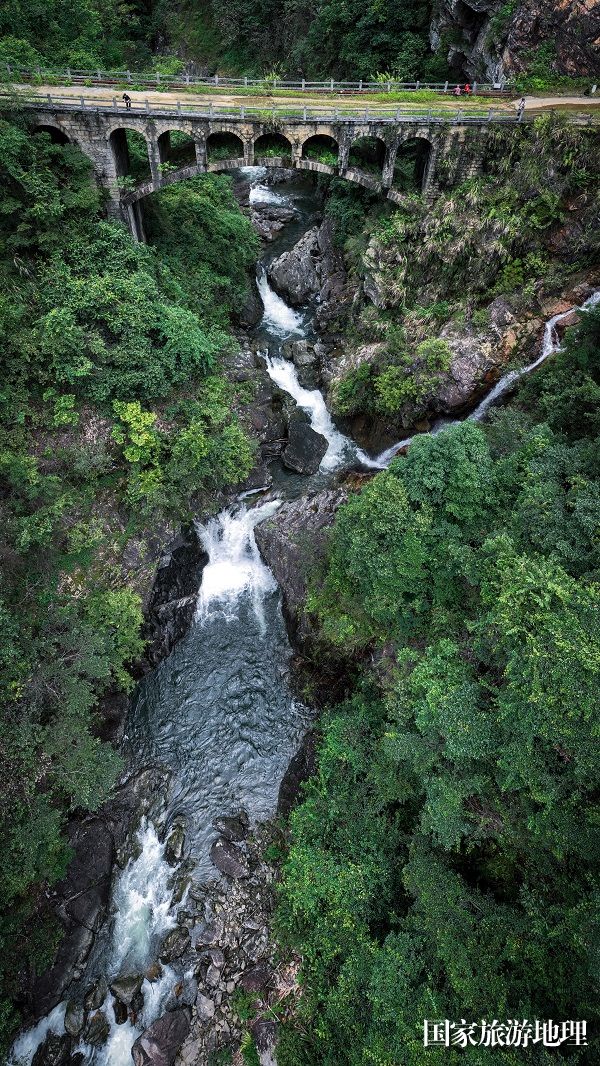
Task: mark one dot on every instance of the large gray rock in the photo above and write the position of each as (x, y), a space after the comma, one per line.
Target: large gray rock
(74, 1018)
(126, 988)
(292, 540)
(296, 275)
(233, 828)
(229, 859)
(158, 1045)
(305, 448)
(175, 944)
(97, 1029)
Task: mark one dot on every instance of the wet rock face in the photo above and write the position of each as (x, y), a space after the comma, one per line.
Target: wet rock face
(55, 1051)
(126, 988)
(173, 599)
(174, 945)
(314, 268)
(159, 1044)
(291, 540)
(305, 447)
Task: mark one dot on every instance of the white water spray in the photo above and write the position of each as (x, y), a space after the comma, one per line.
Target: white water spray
(26, 1045)
(278, 318)
(143, 903)
(235, 567)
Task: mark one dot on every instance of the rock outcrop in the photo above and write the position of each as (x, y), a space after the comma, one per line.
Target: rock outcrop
(291, 542)
(486, 39)
(314, 269)
(159, 1044)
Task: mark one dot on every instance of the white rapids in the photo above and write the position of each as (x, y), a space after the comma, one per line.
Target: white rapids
(143, 913)
(279, 318)
(235, 567)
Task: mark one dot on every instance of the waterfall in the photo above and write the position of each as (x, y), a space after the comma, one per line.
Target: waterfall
(279, 319)
(550, 345)
(235, 567)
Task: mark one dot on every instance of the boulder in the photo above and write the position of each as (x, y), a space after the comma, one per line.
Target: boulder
(256, 977)
(305, 447)
(74, 1018)
(229, 859)
(175, 944)
(126, 988)
(97, 1029)
(158, 1045)
(205, 1008)
(120, 1011)
(232, 828)
(306, 361)
(264, 1033)
(96, 994)
(296, 274)
(55, 1051)
(175, 845)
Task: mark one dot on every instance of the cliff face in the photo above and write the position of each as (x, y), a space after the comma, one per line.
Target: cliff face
(487, 39)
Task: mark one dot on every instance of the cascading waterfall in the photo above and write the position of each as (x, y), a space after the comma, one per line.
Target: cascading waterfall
(143, 912)
(279, 319)
(550, 345)
(235, 567)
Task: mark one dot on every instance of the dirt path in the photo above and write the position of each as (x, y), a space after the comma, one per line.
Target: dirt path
(533, 104)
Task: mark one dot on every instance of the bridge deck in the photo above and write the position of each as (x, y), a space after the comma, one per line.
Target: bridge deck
(171, 105)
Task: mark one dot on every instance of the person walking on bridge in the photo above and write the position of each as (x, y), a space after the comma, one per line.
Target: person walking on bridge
(520, 108)
(127, 100)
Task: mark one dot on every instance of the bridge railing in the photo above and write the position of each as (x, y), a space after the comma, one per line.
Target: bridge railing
(190, 108)
(169, 82)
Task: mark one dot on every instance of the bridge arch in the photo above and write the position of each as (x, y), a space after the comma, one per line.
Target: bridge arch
(176, 148)
(130, 152)
(225, 150)
(412, 164)
(321, 148)
(272, 149)
(368, 154)
(55, 132)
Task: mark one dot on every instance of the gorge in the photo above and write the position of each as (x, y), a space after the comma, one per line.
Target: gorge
(219, 724)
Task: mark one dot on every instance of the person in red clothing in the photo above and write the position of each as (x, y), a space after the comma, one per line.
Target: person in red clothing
(467, 90)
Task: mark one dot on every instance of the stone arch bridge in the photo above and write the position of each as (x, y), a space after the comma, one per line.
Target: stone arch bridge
(441, 149)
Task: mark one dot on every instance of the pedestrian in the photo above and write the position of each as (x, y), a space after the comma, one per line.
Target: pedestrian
(467, 90)
(457, 90)
(520, 108)
(127, 100)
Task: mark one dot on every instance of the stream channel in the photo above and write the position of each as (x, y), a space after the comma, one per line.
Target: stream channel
(218, 714)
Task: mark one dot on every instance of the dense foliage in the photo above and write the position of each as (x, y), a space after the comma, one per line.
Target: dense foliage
(326, 38)
(113, 413)
(444, 861)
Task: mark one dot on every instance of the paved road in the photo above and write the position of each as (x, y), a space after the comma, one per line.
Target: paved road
(533, 104)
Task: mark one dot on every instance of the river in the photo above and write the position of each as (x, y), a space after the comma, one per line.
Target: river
(218, 714)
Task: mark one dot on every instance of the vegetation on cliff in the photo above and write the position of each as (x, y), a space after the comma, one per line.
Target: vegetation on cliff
(113, 414)
(443, 862)
(517, 230)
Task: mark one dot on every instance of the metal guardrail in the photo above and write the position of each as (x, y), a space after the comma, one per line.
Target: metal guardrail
(267, 84)
(277, 112)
